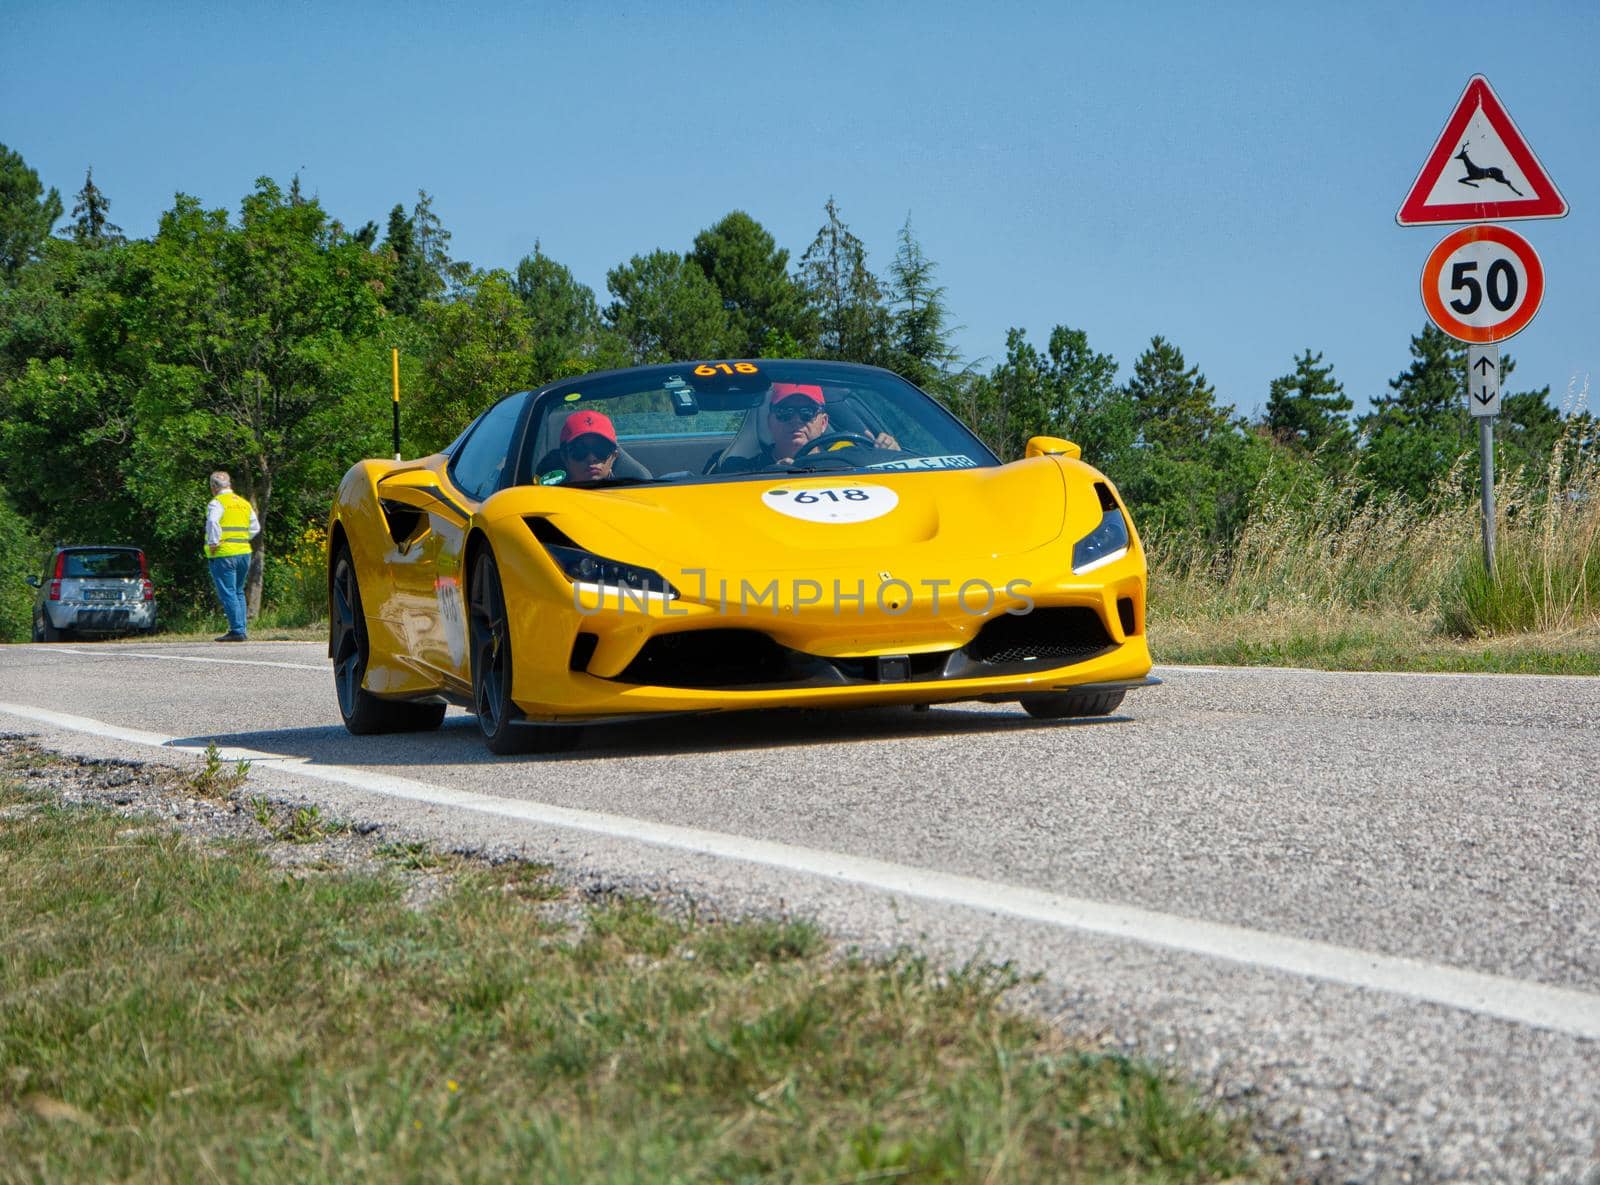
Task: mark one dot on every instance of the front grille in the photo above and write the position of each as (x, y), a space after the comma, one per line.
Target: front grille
(749, 659)
(1053, 636)
(717, 658)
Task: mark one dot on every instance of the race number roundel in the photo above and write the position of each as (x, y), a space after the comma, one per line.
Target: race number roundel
(856, 502)
(1482, 284)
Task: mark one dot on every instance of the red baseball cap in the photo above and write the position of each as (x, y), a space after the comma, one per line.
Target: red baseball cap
(782, 391)
(582, 423)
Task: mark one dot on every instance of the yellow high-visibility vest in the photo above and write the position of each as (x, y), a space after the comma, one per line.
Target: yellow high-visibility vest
(235, 526)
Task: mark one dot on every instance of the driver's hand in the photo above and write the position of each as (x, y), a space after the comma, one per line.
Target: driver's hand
(884, 440)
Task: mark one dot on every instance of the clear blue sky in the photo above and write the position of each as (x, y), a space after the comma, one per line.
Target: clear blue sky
(1225, 175)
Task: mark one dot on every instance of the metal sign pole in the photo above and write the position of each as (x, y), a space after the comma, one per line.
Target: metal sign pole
(1483, 401)
(1486, 476)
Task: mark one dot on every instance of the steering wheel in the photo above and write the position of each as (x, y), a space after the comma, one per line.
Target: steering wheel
(827, 439)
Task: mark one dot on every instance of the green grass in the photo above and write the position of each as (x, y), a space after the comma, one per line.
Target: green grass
(170, 1015)
(1372, 642)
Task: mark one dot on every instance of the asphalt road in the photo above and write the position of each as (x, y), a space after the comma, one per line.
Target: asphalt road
(1366, 906)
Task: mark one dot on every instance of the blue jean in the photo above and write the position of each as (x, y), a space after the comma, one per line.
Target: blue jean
(228, 573)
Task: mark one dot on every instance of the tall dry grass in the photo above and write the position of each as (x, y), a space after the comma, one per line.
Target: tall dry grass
(1316, 548)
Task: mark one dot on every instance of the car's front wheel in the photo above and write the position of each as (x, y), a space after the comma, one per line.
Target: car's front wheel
(490, 632)
(363, 712)
(1065, 704)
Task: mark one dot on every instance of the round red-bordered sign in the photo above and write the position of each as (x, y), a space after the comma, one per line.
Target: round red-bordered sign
(1482, 284)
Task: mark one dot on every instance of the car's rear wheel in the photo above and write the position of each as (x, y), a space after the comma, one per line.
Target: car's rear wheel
(489, 627)
(363, 712)
(44, 630)
(1064, 704)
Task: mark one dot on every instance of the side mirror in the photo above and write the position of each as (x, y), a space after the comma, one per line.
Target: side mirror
(33, 582)
(1051, 446)
(419, 489)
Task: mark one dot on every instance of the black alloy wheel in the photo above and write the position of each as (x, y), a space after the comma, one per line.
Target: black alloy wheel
(1065, 704)
(489, 630)
(364, 713)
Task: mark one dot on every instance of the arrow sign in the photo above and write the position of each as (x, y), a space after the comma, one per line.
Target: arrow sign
(1483, 380)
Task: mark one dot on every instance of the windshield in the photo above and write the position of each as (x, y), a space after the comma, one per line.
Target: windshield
(731, 421)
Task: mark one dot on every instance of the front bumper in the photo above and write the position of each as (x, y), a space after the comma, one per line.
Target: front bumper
(586, 666)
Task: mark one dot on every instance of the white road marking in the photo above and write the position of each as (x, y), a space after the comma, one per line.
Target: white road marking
(232, 662)
(1564, 1010)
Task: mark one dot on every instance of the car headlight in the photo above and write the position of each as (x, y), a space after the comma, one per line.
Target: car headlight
(1103, 545)
(584, 567)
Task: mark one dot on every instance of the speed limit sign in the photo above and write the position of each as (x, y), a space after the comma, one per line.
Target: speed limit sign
(1482, 284)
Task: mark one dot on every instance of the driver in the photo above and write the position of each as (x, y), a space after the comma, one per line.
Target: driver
(793, 416)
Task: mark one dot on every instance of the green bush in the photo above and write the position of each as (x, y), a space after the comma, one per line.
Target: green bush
(21, 553)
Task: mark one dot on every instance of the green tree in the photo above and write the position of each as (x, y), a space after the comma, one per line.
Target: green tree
(1192, 469)
(39, 314)
(853, 323)
(27, 213)
(1174, 407)
(920, 348)
(409, 283)
(65, 422)
(474, 350)
(1069, 391)
(565, 320)
(241, 344)
(91, 222)
(666, 310)
(750, 273)
(1415, 434)
(1527, 430)
(1306, 411)
(442, 276)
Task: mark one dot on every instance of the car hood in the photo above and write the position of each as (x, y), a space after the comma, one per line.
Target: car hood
(852, 520)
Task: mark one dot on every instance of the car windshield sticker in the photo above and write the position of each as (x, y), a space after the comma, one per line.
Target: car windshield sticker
(554, 478)
(573, 396)
(957, 461)
(706, 369)
(854, 503)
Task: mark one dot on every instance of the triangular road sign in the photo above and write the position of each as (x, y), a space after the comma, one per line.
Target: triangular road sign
(1481, 169)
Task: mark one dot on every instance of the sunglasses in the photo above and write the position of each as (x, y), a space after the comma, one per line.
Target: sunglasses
(590, 448)
(796, 415)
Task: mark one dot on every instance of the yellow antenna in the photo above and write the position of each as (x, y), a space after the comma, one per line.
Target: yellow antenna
(395, 357)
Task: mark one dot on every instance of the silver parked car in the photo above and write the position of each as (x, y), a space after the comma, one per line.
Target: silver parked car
(93, 590)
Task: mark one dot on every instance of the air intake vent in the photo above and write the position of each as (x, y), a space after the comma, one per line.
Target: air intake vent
(1045, 635)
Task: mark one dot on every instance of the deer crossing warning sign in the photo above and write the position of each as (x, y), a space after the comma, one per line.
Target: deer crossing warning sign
(1481, 169)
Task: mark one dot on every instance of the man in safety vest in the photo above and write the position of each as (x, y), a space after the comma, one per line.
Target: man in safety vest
(230, 525)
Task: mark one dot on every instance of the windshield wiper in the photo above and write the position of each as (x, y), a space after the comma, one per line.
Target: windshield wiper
(809, 468)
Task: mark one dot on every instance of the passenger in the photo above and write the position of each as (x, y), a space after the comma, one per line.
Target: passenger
(792, 416)
(588, 446)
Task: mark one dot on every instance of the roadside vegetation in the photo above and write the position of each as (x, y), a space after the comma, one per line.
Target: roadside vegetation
(259, 341)
(183, 1010)
(1324, 572)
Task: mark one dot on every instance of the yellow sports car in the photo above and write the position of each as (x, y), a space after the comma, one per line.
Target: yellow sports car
(721, 535)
